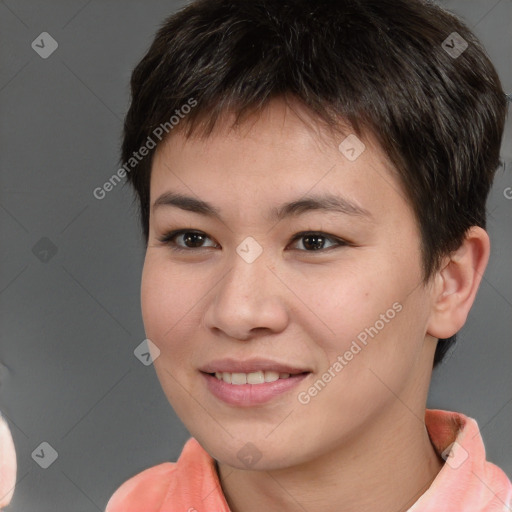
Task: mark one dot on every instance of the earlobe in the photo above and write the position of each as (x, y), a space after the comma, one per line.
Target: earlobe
(456, 284)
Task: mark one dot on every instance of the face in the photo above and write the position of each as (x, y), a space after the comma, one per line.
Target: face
(305, 261)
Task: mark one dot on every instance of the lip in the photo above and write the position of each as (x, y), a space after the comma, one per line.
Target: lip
(248, 395)
(251, 365)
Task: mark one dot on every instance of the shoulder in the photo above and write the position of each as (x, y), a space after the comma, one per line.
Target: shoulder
(145, 491)
(192, 476)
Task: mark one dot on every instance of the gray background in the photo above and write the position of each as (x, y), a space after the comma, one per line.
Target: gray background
(70, 324)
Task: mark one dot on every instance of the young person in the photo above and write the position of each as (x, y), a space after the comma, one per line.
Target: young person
(312, 178)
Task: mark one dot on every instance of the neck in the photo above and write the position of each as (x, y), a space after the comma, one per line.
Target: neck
(387, 466)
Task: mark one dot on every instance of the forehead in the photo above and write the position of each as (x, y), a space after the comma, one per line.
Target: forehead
(282, 124)
(279, 153)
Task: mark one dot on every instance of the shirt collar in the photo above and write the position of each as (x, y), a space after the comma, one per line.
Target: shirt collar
(466, 482)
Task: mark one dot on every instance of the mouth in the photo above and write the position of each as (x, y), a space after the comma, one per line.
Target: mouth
(254, 378)
(253, 388)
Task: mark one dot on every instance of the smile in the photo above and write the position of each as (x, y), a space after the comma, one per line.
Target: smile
(253, 388)
(258, 377)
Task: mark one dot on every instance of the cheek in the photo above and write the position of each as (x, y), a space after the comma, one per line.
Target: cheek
(370, 357)
(370, 312)
(351, 302)
(167, 302)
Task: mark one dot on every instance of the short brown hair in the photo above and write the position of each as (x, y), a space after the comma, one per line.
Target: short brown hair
(407, 71)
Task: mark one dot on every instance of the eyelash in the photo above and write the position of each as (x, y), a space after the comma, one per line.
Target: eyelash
(167, 239)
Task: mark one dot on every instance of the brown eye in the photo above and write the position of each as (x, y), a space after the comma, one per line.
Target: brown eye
(193, 239)
(315, 241)
(190, 239)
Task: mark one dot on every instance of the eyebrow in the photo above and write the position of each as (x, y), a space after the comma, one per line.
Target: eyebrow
(324, 202)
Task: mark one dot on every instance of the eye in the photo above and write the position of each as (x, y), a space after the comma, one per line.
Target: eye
(311, 241)
(191, 239)
(315, 241)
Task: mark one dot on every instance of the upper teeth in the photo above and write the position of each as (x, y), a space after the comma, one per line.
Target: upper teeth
(251, 378)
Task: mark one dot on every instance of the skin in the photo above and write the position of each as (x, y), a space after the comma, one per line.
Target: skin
(7, 464)
(361, 441)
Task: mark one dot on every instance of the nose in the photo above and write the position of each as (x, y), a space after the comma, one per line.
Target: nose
(249, 300)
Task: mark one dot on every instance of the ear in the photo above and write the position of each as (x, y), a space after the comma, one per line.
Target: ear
(455, 285)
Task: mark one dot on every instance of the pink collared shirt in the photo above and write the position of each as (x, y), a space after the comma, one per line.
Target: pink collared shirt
(466, 482)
